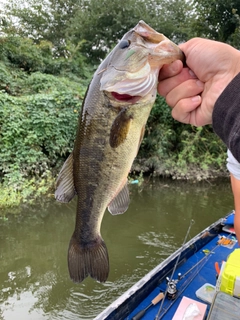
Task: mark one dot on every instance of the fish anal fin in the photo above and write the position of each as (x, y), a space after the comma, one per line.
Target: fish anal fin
(65, 189)
(120, 128)
(88, 260)
(120, 202)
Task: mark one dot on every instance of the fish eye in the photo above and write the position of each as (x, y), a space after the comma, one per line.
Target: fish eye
(124, 44)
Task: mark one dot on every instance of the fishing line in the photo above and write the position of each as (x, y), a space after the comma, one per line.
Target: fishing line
(205, 257)
(174, 269)
(183, 287)
(188, 280)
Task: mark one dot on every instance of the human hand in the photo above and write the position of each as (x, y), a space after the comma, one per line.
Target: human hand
(193, 91)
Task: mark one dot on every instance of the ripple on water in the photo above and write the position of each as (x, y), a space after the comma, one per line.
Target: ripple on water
(165, 243)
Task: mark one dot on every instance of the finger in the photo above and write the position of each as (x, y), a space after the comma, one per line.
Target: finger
(170, 70)
(167, 85)
(186, 89)
(185, 110)
(192, 111)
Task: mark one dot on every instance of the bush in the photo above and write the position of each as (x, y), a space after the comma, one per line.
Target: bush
(38, 115)
(37, 134)
(180, 151)
(24, 54)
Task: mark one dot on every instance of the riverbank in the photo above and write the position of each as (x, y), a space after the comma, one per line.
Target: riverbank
(27, 192)
(31, 190)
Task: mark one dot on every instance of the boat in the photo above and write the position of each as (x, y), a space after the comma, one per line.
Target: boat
(188, 284)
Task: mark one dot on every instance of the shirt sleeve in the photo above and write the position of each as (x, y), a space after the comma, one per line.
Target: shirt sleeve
(226, 117)
(233, 165)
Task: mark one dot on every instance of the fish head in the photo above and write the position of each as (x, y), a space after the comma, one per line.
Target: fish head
(131, 70)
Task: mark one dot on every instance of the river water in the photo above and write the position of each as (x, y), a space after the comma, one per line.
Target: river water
(34, 281)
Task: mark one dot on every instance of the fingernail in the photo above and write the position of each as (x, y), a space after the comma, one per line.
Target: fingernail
(196, 99)
(192, 74)
(200, 83)
(174, 66)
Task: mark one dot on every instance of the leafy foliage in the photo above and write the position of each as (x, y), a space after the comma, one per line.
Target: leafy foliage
(28, 56)
(36, 133)
(178, 150)
(92, 27)
(48, 52)
(218, 20)
(38, 118)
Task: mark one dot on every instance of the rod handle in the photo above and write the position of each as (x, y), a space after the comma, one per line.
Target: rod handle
(158, 298)
(139, 315)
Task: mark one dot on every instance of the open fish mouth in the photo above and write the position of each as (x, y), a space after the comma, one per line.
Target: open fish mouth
(125, 97)
(122, 97)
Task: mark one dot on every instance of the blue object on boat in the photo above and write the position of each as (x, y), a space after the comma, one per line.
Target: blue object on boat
(230, 219)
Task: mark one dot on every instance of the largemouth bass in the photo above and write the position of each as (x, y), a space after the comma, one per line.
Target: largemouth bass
(111, 127)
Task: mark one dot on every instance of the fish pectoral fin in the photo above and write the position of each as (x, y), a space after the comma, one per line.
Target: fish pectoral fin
(120, 203)
(65, 189)
(120, 128)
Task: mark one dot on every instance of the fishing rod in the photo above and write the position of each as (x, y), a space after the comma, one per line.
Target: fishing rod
(179, 292)
(141, 313)
(188, 280)
(160, 296)
(205, 257)
(171, 284)
(176, 293)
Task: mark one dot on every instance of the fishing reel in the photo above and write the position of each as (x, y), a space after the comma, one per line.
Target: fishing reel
(172, 287)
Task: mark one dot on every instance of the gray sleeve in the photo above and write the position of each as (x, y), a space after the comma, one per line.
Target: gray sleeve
(233, 165)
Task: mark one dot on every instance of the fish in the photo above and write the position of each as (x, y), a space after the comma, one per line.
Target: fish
(111, 126)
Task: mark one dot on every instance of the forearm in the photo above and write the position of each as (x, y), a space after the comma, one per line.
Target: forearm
(235, 183)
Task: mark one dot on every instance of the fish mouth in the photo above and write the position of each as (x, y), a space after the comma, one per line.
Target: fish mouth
(161, 48)
(123, 97)
(148, 33)
(134, 65)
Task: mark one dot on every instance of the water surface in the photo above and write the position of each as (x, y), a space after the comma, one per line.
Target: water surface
(34, 281)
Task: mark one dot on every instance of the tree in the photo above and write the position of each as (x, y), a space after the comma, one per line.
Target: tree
(45, 20)
(94, 26)
(218, 20)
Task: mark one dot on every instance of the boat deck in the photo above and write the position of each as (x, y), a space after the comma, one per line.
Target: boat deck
(198, 270)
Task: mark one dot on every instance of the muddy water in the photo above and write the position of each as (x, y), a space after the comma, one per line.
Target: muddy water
(34, 281)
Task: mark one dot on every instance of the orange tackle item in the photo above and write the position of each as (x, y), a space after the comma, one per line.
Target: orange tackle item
(225, 241)
(217, 268)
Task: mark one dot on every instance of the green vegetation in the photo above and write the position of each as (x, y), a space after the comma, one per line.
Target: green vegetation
(47, 58)
(38, 117)
(179, 151)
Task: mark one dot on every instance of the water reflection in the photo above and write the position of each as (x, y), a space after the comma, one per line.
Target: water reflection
(34, 281)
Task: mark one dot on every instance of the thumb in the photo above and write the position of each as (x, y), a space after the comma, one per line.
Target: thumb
(170, 70)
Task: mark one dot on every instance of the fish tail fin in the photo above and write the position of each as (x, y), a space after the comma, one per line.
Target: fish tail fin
(88, 260)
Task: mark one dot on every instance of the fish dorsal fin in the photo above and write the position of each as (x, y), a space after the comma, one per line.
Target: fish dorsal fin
(65, 189)
(120, 203)
(120, 128)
